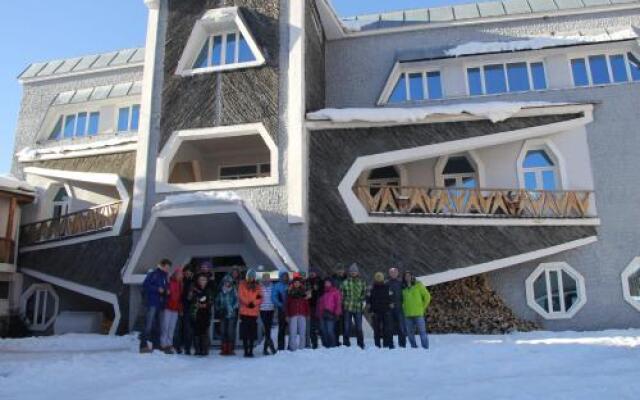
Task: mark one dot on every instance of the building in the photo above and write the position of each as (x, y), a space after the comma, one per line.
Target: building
(487, 147)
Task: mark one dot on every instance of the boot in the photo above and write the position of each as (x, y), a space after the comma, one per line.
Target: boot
(232, 348)
(206, 346)
(245, 345)
(196, 345)
(224, 349)
(251, 345)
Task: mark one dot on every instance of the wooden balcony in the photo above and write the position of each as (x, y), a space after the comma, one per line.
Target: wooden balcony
(86, 222)
(476, 203)
(7, 248)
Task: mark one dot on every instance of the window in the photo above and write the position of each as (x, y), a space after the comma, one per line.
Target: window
(631, 283)
(416, 86)
(245, 171)
(76, 125)
(601, 69)
(39, 306)
(61, 203)
(4, 290)
(555, 290)
(382, 177)
(503, 78)
(459, 173)
(540, 172)
(224, 49)
(129, 118)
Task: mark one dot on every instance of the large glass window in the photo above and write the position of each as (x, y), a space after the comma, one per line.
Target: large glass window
(76, 125)
(503, 78)
(416, 86)
(224, 49)
(129, 118)
(601, 69)
(555, 290)
(540, 171)
(458, 172)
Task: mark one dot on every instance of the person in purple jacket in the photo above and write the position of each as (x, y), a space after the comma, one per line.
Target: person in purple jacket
(155, 289)
(329, 309)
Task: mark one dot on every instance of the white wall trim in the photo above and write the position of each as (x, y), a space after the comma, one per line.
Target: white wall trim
(121, 148)
(459, 273)
(580, 288)
(146, 107)
(264, 237)
(66, 178)
(553, 152)
(98, 294)
(164, 161)
(360, 215)
(629, 270)
(297, 145)
(209, 25)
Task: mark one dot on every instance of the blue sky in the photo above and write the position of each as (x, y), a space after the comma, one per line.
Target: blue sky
(37, 30)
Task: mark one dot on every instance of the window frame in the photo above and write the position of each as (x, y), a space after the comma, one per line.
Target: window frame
(481, 64)
(238, 177)
(545, 268)
(223, 52)
(62, 117)
(406, 71)
(64, 205)
(562, 180)
(473, 159)
(630, 269)
(117, 108)
(608, 54)
(35, 290)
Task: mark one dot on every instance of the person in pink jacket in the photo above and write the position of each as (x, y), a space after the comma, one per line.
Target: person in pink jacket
(328, 310)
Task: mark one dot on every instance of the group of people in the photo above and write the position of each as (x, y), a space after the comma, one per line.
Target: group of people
(311, 309)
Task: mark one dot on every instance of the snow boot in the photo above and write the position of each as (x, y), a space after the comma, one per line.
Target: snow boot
(146, 348)
(223, 349)
(232, 348)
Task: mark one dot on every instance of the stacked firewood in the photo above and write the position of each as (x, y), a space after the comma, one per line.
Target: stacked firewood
(470, 306)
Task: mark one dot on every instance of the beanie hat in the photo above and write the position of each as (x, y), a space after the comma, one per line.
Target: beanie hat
(251, 274)
(354, 269)
(227, 279)
(378, 277)
(206, 265)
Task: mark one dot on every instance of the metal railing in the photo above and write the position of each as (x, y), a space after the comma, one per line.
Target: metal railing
(92, 220)
(492, 203)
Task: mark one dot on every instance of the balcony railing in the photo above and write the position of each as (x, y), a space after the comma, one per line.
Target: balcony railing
(479, 203)
(7, 247)
(92, 220)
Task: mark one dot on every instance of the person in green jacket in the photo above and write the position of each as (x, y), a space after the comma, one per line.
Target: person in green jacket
(354, 293)
(415, 301)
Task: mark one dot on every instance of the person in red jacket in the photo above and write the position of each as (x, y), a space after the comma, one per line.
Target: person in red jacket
(173, 309)
(297, 313)
(250, 298)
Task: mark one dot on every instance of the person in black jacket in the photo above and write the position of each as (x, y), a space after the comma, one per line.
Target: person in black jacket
(397, 315)
(184, 339)
(380, 304)
(201, 300)
(315, 284)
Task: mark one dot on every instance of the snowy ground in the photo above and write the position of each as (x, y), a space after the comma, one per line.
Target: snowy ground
(598, 365)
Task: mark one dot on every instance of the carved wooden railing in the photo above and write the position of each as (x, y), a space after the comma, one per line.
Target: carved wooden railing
(7, 247)
(95, 219)
(494, 203)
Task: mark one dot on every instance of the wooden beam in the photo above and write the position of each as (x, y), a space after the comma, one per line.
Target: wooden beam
(13, 203)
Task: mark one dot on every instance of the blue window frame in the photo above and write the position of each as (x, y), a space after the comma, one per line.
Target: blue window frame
(135, 118)
(129, 118)
(475, 81)
(76, 126)
(518, 76)
(619, 68)
(123, 119)
(69, 126)
(224, 49)
(579, 69)
(244, 51)
(411, 87)
(599, 70)
(216, 51)
(231, 49)
(539, 170)
(94, 123)
(81, 127)
(494, 79)
(538, 75)
(56, 133)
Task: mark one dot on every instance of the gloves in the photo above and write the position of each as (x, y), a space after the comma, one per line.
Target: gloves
(251, 305)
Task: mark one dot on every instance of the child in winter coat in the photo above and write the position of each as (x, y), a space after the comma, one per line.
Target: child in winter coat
(267, 310)
(329, 310)
(250, 296)
(380, 304)
(297, 313)
(173, 309)
(201, 301)
(227, 306)
(279, 299)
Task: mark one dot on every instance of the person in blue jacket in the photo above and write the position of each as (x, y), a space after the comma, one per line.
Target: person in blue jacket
(155, 289)
(279, 299)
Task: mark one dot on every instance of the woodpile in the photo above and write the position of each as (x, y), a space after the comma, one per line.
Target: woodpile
(470, 306)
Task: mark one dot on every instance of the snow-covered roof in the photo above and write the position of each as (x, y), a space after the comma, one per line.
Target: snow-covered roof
(98, 93)
(9, 183)
(126, 58)
(477, 11)
(197, 198)
(29, 154)
(495, 111)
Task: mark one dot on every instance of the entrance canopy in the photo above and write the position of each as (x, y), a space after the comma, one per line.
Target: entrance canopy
(206, 225)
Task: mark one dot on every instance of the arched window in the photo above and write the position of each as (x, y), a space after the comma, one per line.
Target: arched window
(459, 172)
(539, 170)
(381, 177)
(61, 203)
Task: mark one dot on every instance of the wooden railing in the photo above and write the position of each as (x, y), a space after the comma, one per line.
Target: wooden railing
(7, 247)
(493, 203)
(96, 219)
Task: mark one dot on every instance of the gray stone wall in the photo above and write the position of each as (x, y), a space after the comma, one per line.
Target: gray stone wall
(314, 59)
(426, 249)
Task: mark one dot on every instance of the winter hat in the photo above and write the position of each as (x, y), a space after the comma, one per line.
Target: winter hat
(251, 274)
(354, 269)
(227, 279)
(296, 275)
(206, 266)
(282, 274)
(378, 277)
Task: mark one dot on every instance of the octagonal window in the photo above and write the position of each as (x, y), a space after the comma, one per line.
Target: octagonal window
(555, 291)
(39, 306)
(631, 283)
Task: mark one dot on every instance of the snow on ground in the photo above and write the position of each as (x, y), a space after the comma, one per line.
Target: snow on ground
(597, 365)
